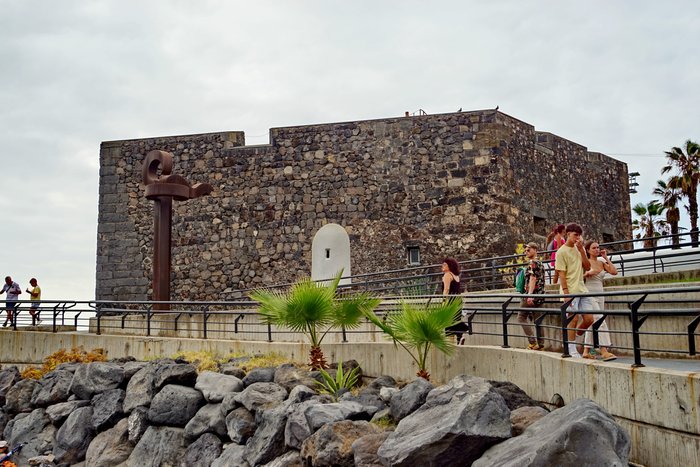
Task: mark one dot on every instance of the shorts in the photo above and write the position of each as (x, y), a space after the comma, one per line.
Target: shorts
(34, 305)
(10, 306)
(588, 305)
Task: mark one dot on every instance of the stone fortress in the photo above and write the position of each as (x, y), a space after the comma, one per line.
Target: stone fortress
(468, 185)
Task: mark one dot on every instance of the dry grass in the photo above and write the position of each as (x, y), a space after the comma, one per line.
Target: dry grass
(74, 355)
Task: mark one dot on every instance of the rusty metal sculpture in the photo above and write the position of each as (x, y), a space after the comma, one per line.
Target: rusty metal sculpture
(163, 189)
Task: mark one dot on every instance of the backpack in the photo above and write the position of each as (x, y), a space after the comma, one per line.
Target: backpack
(519, 280)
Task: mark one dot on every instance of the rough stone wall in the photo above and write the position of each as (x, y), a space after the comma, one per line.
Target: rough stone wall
(464, 184)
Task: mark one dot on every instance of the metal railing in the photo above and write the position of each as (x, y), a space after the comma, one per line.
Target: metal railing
(497, 272)
(651, 322)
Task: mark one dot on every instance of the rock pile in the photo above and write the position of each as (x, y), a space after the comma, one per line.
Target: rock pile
(159, 413)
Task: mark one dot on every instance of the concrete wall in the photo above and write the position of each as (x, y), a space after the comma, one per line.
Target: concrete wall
(469, 184)
(660, 408)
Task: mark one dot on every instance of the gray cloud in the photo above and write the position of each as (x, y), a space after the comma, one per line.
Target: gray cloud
(618, 77)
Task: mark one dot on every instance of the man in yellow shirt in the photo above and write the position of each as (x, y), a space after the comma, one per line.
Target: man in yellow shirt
(35, 297)
(571, 262)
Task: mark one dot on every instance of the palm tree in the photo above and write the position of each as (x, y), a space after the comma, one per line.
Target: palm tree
(687, 167)
(314, 308)
(419, 327)
(670, 198)
(648, 223)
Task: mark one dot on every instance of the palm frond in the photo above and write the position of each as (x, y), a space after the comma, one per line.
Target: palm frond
(348, 310)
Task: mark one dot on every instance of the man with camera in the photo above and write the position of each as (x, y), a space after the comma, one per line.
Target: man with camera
(13, 290)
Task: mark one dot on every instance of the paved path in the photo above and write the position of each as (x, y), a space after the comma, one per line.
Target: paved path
(684, 364)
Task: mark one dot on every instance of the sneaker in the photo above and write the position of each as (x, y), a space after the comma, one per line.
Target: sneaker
(38, 321)
(573, 352)
(4, 324)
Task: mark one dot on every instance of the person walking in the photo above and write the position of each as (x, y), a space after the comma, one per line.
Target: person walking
(571, 263)
(13, 290)
(555, 240)
(451, 285)
(600, 266)
(35, 297)
(534, 284)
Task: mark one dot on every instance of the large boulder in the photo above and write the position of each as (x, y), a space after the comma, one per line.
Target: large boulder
(52, 388)
(203, 452)
(318, 415)
(232, 455)
(111, 447)
(209, 419)
(331, 445)
(36, 430)
(182, 374)
(232, 369)
(4, 418)
(523, 417)
(107, 408)
(268, 441)
(8, 377)
(240, 425)
(364, 449)
(514, 396)
(289, 376)
(175, 405)
(297, 428)
(288, 459)
(131, 368)
(141, 388)
(58, 413)
(409, 398)
(159, 446)
(95, 377)
(214, 386)
(581, 433)
(137, 424)
(454, 426)
(377, 384)
(259, 395)
(74, 436)
(19, 397)
(259, 375)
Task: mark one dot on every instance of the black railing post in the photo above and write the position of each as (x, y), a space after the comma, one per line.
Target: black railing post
(235, 323)
(505, 317)
(691, 335)
(637, 322)
(55, 314)
(565, 320)
(205, 317)
(538, 325)
(269, 332)
(345, 337)
(148, 320)
(15, 315)
(98, 316)
(470, 317)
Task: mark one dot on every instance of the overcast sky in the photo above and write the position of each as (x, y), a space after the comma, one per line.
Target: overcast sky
(620, 77)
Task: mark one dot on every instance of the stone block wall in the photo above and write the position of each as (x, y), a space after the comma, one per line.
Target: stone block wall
(468, 185)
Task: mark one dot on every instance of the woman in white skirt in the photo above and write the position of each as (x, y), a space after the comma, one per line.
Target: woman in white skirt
(600, 265)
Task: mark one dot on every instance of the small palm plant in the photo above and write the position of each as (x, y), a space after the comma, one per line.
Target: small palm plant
(314, 308)
(342, 380)
(419, 327)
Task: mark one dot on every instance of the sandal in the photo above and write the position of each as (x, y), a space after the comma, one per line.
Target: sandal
(588, 356)
(608, 357)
